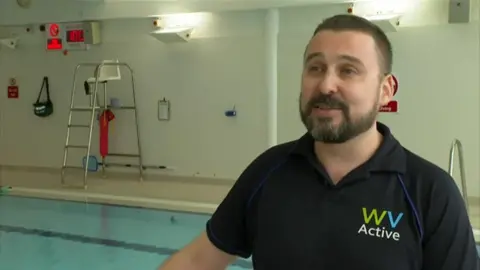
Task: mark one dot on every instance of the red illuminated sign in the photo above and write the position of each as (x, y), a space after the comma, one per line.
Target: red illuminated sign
(75, 36)
(54, 44)
(54, 30)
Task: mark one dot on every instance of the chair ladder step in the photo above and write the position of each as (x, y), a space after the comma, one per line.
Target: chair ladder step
(76, 146)
(78, 126)
(99, 107)
(84, 109)
(73, 167)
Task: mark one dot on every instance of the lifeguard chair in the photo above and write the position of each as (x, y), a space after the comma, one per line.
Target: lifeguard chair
(108, 70)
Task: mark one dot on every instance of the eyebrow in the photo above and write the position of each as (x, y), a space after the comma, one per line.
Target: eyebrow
(342, 57)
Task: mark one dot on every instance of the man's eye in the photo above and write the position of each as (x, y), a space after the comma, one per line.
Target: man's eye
(349, 71)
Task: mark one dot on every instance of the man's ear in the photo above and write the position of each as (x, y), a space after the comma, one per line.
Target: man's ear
(387, 89)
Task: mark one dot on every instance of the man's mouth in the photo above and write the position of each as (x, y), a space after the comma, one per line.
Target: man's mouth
(324, 107)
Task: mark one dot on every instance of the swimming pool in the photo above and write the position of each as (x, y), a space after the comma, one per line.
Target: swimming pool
(49, 235)
(52, 234)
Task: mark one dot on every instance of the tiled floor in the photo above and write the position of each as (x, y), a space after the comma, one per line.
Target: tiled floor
(187, 193)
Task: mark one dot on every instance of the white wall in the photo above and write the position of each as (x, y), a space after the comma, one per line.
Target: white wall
(440, 97)
(438, 67)
(202, 79)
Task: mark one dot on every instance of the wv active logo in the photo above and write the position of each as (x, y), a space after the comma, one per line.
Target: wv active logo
(380, 224)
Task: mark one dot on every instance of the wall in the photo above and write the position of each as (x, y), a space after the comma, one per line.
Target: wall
(437, 66)
(441, 97)
(202, 79)
(223, 66)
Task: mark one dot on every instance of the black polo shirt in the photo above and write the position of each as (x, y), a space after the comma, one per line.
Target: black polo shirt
(395, 212)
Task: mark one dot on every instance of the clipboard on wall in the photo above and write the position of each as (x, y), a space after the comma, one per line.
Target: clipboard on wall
(163, 110)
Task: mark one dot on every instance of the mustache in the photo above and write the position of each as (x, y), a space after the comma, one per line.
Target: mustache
(326, 101)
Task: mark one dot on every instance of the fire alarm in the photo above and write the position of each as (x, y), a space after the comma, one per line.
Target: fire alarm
(13, 81)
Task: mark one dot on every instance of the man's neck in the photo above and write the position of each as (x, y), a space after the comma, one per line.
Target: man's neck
(340, 159)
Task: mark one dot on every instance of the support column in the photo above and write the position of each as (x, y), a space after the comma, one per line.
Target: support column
(271, 53)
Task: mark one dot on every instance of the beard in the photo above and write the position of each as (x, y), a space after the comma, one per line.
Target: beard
(323, 129)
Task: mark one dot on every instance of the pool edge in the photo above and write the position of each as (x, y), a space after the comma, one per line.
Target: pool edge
(88, 197)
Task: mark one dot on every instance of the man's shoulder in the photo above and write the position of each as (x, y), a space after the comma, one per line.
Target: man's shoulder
(280, 150)
(427, 176)
(273, 157)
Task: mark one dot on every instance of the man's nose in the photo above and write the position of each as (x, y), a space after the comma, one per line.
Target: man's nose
(328, 83)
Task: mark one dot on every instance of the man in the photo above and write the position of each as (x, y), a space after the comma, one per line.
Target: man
(346, 195)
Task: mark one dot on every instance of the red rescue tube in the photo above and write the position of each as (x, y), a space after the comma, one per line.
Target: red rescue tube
(104, 120)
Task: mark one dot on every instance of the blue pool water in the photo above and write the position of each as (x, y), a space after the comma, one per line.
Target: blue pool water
(49, 235)
(53, 235)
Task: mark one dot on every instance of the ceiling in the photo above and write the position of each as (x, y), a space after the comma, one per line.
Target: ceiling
(40, 11)
(181, 6)
(217, 5)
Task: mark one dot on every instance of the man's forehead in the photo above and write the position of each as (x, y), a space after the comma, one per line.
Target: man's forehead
(346, 44)
(321, 55)
(341, 39)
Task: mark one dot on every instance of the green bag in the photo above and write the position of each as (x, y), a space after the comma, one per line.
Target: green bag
(43, 108)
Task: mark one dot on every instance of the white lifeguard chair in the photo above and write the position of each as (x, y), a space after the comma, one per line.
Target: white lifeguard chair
(108, 70)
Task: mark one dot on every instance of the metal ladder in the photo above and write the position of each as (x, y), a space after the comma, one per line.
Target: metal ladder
(93, 109)
(457, 145)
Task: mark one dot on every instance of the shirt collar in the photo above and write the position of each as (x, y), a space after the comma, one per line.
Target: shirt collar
(389, 157)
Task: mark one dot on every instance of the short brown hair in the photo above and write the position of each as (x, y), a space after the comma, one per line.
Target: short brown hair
(348, 22)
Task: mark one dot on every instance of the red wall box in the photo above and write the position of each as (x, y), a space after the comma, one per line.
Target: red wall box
(12, 91)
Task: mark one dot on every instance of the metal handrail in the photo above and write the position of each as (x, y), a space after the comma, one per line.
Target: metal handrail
(457, 145)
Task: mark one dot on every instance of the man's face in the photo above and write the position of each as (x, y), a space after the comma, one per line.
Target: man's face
(343, 85)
